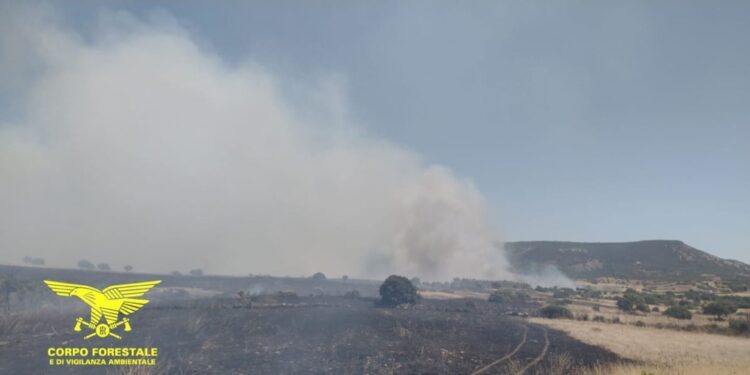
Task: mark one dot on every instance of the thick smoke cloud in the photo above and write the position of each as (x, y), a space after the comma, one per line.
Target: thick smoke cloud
(138, 147)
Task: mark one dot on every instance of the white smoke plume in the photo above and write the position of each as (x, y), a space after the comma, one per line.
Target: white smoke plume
(138, 147)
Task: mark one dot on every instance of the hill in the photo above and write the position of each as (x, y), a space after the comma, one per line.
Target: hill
(648, 260)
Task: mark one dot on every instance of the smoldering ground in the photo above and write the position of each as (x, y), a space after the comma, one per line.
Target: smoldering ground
(137, 146)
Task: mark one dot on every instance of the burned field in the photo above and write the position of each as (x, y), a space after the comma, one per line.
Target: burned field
(333, 335)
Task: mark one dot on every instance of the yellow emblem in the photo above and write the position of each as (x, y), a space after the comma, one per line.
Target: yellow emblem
(109, 303)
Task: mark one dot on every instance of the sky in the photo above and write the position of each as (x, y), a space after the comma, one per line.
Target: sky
(580, 121)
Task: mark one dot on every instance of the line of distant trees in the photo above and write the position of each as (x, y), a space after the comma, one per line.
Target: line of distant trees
(86, 264)
(33, 261)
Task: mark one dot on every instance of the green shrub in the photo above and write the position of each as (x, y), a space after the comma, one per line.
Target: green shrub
(642, 307)
(739, 326)
(625, 304)
(678, 312)
(555, 312)
(354, 294)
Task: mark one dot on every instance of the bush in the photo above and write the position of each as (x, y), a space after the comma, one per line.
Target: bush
(354, 294)
(37, 261)
(499, 296)
(128, 268)
(599, 319)
(642, 307)
(719, 309)
(596, 308)
(319, 276)
(739, 326)
(625, 304)
(196, 272)
(655, 309)
(506, 296)
(563, 293)
(103, 267)
(397, 290)
(555, 312)
(678, 312)
(85, 264)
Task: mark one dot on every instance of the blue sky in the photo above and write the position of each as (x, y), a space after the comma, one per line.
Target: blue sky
(580, 120)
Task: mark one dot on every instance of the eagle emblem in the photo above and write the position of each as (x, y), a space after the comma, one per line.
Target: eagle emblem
(109, 303)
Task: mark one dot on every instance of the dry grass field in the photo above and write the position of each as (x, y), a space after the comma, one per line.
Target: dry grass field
(609, 310)
(662, 351)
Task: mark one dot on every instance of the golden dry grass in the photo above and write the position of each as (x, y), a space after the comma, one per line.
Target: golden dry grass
(453, 295)
(705, 369)
(608, 310)
(667, 351)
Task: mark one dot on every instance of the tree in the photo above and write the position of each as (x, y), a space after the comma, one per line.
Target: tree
(397, 290)
(8, 286)
(719, 309)
(128, 268)
(678, 312)
(37, 261)
(196, 272)
(27, 259)
(176, 273)
(103, 267)
(625, 304)
(85, 264)
(555, 312)
(319, 276)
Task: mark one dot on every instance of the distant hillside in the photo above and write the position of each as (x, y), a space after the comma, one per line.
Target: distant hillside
(648, 260)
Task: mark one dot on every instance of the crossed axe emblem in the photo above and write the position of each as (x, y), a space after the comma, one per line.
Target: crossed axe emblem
(102, 329)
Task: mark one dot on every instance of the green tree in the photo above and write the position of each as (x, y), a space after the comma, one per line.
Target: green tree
(720, 309)
(397, 290)
(625, 304)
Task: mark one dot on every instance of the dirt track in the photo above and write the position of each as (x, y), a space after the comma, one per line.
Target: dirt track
(534, 362)
(541, 356)
(507, 356)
